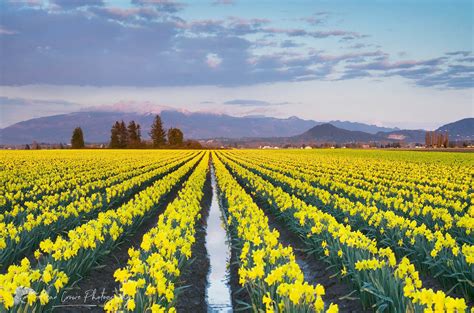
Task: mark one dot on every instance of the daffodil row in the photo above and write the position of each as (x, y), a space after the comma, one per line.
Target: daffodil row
(416, 177)
(435, 252)
(433, 205)
(459, 227)
(148, 281)
(28, 173)
(268, 271)
(31, 175)
(73, 256)
(381, 280)
(458, 224)
(94, 182)
(408, 185)
(17, 240)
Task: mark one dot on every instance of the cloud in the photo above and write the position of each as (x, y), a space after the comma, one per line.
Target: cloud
(223, 2)
(170, 51)
(6, 101)
(169, 6)
(454, 76)
(70, 4)
(13, 110)
(358, 46)
(148, 44)
(252, 102)
(213, 60)
(26, 3)
(5, 31)
(312, 20)
(232, 26)
(316, 18)
(238, 26)
(354, 73)
(129, 106)
(133, 15)
(298, 32)
(463, 53)
(289, 44)
(445, 72)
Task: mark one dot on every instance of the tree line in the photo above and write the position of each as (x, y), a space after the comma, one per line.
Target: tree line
(436, 139)
(123, 136)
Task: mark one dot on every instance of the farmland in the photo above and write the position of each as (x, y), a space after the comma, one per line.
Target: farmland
(310, 231)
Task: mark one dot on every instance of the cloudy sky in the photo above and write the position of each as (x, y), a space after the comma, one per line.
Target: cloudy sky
(392, 63)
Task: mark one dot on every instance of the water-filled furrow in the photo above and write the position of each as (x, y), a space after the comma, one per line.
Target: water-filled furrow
(217, 245)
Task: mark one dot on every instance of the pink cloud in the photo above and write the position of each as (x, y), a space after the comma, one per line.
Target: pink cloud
(213, 60)
(5, 31)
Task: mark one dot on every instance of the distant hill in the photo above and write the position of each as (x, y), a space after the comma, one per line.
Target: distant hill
(460, 130)
(371, 129)
(331, 133)
(96, 126)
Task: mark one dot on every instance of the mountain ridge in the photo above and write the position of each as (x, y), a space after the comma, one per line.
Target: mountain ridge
(195, 125)
(329, 133)
(202, 125)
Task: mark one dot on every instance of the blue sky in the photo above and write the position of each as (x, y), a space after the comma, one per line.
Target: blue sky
(393, 63)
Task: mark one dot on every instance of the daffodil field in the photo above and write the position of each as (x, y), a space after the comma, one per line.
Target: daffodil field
(394, 227)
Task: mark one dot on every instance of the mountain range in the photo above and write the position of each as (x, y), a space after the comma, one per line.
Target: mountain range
(459, 130)
(330, 133)
(96, 127)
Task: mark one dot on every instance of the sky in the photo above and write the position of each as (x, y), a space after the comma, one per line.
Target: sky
(391, 63)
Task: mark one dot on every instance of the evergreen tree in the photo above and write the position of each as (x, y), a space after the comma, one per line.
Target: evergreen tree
(122, 135)
(157, 133)
(175, 136)
(139, 133)
(134, 135)
(114, 136)
(77, 140)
